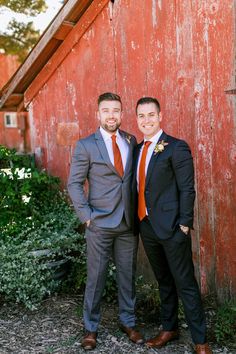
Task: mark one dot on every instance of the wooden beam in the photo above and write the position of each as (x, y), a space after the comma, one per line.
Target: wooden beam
(15, 103)
(63, 31)
(21, 106)
(37, 65)
(8, 109)
(13, 100)
(231, 92)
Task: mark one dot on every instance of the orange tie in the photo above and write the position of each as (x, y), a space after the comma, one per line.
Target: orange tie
(142, 177)
(117, 156)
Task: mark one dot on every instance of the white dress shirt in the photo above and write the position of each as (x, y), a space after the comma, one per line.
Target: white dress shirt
(123, 146)
(154, 141)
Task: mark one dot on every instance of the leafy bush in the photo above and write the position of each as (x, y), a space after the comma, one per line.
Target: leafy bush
(34, 215)
(149, 302)
(22, 278)
(225, 323)
(110, 291)
(25, 276)
(148, 296)
(23, 192)
(10, 158)
(5, 156)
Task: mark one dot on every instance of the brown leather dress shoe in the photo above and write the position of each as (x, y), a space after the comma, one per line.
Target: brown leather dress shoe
(133, 334)
(161, 340)
(203, 349)
(89, 341)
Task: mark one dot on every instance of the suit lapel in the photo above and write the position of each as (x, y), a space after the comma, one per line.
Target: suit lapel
(154, 158)
(127, 139)
(137, 153)
(103, 150)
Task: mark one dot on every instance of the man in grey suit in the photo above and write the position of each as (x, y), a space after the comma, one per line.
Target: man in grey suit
(104, 159)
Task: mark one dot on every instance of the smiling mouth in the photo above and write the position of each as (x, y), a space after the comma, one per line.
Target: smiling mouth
(147, 125)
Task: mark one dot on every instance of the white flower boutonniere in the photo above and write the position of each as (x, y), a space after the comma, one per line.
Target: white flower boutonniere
(128, 139)
(160, 146)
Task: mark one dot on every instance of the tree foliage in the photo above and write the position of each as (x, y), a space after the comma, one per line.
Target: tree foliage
(19, 38)
(27, 7)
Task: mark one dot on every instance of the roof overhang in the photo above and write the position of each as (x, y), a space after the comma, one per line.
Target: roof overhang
(12, 94)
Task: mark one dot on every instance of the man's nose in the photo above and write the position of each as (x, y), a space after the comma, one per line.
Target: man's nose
(111, 115)
(146, 119)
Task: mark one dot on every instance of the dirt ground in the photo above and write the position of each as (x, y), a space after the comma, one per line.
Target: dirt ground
(57, 327)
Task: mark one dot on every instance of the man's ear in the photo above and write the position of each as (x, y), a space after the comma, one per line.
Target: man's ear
(160, 116)
(97, 115)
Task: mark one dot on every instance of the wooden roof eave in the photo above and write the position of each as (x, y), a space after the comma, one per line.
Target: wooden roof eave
(12, 94)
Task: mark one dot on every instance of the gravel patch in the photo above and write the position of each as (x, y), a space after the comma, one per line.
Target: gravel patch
(57, 327)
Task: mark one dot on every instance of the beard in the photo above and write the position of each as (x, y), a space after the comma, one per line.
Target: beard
(111, 128)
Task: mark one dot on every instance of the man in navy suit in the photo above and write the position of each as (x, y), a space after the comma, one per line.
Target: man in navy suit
(165, 185)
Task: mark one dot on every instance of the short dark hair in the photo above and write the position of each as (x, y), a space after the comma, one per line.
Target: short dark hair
(144, 100)
(109, 96)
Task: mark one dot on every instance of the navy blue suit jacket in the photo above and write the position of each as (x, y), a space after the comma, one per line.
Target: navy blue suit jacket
(169, 191)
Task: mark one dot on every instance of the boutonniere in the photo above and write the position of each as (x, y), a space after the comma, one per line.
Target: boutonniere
(160, 146)
(128, 139)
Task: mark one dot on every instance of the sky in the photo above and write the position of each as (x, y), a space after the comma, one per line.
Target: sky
(40, 22)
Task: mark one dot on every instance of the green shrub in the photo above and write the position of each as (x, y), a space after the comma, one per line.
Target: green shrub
(225, 323)
(148, 296)
(149, 302)
(26, 277)
(25, 197)
(23, 278)
(110, 291)
(5, 156)
(10, 158)
(34, 215)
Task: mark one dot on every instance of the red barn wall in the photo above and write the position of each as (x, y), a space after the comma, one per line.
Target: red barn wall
(182, 52)
(14, 137)
(8, 65)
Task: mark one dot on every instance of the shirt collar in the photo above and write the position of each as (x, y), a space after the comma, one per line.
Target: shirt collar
(106, 135)
(156, 137)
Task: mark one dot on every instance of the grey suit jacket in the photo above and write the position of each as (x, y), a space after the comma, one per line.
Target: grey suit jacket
(109, 195)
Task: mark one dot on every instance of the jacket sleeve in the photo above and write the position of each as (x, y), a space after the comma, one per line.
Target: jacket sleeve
(182, 162)
(77, 177)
